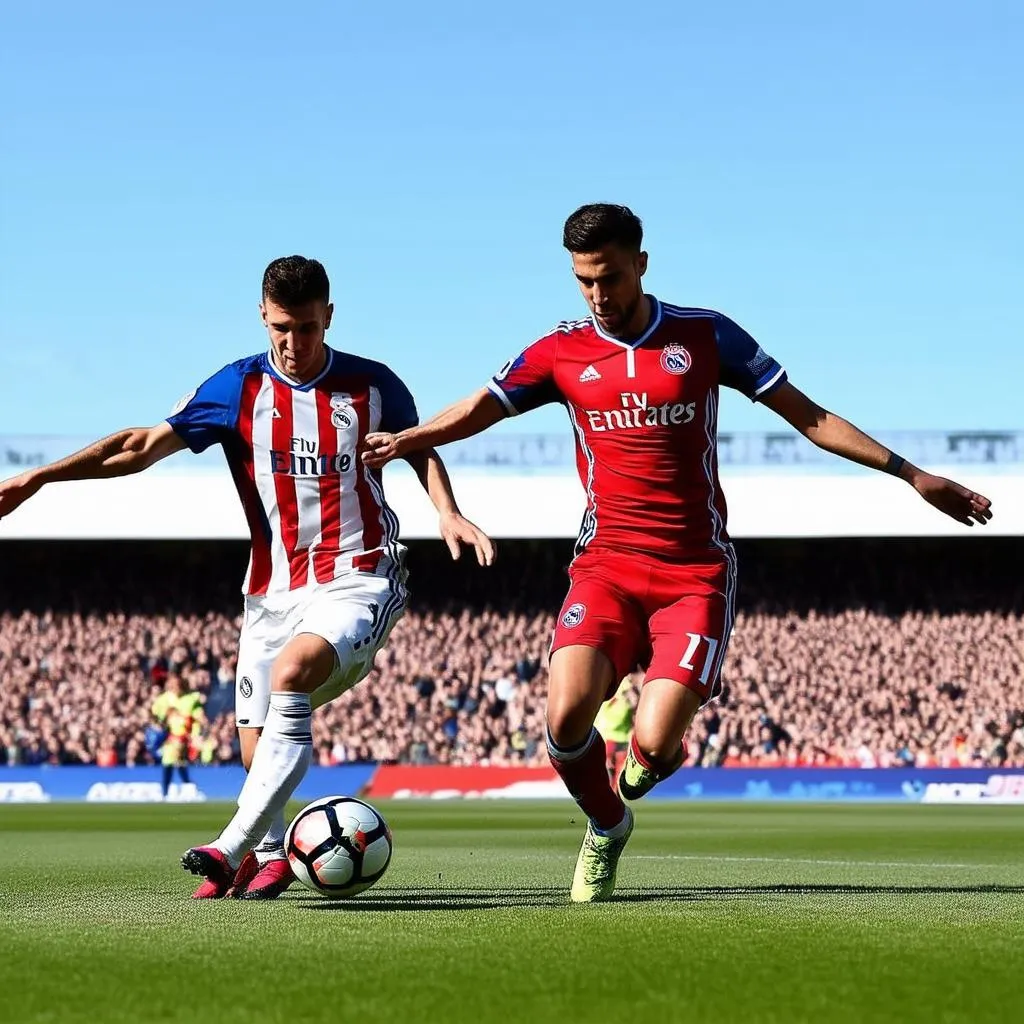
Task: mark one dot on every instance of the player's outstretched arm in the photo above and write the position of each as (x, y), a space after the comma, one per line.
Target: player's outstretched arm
(121, 454)
(455, 528)
(471, 416)
(834, 434)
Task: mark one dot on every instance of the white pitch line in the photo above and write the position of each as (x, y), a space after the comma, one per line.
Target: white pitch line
(821, 863)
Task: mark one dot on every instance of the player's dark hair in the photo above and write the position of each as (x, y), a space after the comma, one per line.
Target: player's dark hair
(294, 281)
(596, 225)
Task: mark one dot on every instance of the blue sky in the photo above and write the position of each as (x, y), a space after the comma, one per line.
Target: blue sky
(843, 180)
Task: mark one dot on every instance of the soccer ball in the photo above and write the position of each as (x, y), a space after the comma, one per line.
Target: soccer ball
(338, 846)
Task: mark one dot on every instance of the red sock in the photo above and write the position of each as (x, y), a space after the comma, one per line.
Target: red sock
(585, 774)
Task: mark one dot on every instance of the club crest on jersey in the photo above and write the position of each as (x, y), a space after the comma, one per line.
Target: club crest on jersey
(675, 359)
(342, 413)
(574, 615)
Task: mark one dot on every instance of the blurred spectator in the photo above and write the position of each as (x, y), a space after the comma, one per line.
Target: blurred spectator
(848, 654)
(178, 712)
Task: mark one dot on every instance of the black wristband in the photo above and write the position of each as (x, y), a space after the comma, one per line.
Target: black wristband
(895, 464)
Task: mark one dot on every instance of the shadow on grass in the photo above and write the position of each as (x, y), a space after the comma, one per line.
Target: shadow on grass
(496, 898)
(439, 898)
(699, 892)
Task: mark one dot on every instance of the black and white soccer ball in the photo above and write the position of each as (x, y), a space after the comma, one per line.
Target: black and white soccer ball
(338, 846)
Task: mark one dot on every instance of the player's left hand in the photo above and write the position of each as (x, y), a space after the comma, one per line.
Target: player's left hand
(457, 530)
(380, 448)
(956, 501)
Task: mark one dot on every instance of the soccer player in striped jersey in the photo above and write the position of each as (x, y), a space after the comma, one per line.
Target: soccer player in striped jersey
(654, 577)
(326, 577)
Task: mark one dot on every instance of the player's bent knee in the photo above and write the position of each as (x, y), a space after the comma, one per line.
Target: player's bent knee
(663, 715)
(287, 675)
(658, 740)
(567, 733)
(569, 726)
(304, 665)
(662, 751)
(580, 679)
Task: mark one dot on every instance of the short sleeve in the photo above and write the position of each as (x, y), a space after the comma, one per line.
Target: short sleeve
(204, 416)
(397, 406)
(528, 381)
(745, 366)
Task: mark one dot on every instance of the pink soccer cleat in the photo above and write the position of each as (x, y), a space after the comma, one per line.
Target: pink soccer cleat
(272, 879)
(210, 890)
(209, 862)
(215, 890)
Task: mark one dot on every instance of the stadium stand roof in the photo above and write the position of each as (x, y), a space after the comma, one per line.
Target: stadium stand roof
(524, 485)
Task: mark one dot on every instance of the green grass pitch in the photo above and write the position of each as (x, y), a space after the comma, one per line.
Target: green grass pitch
(761, 913)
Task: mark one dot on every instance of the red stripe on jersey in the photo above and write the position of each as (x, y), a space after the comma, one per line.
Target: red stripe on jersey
(369, 510)
(367, 562)
(326, 552)
(284, 486)
(259, 574)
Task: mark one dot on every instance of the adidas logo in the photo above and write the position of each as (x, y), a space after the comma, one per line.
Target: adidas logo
(275, 415)
(589, 374)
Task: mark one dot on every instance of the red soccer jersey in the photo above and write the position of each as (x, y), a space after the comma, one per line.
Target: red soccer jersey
(645, 413)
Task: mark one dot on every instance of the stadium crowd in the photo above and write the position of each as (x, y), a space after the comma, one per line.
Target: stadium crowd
(843, 654)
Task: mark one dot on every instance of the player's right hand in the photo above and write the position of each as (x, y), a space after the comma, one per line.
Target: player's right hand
(959, 503)
(16, 491)
(380, 448)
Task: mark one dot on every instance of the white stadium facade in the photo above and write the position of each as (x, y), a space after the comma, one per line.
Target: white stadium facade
(525, 486)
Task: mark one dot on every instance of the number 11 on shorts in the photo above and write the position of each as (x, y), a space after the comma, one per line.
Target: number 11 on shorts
(709, 655)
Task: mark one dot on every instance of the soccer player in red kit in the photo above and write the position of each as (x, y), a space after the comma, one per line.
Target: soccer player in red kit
(654, 577)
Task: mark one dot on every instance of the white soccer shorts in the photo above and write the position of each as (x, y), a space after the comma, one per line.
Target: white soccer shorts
(354, 614)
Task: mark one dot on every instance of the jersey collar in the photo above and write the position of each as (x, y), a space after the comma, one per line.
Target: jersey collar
(299, 385)
(636, 342)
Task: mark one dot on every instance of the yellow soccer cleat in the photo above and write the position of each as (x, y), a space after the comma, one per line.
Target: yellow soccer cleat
(636, 781)
(594, 878)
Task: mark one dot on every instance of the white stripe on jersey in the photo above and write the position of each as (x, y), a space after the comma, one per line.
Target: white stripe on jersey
(307, 488)
(709, 460)
(388, 519)
(263, 442)
(568, 326)
(350, 542)
(588, 528)
(503, 398)
(710, 432)
(375, 410)
(769, 383)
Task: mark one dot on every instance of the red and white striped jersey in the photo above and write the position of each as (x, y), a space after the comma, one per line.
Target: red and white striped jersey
(315, 512)
(645, 414)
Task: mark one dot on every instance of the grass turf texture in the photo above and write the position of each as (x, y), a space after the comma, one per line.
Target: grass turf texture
(725, 913)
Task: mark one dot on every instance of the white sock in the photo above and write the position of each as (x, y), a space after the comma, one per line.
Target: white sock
(616, 830)
(282, 758)
(272, 847)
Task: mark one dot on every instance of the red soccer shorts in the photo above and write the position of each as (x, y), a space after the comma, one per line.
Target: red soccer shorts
(673, 619)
